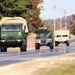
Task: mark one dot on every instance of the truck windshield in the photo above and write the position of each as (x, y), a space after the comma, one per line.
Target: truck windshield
(58, 35)
(11, 27)
(64, 35)
(38, 37)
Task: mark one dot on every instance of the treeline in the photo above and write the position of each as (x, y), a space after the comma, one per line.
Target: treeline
(23, 8)
(72, 26)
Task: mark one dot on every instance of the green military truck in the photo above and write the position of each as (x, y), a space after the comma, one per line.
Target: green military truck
(43, 38)
(13, 33)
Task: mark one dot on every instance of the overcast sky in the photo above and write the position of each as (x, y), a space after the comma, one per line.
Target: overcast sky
(48, 6)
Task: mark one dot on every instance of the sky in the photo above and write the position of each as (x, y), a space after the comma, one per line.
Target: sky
(61, 6)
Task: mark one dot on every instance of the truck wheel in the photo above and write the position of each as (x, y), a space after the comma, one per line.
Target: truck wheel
(56, 44)
(67, 44)
(51, 46)
(37, 46)
(23, 48)
(3, 49)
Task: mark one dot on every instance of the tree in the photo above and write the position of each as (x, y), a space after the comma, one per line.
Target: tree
(35, 20)
(23, 8)
(57, 27)
(72, 30)
(73, 16)
(72, 27)
(51, 28)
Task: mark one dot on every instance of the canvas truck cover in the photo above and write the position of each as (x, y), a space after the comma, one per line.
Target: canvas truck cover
(61, 32)
(15, 20)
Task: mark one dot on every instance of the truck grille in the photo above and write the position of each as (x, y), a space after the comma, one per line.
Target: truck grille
(43, 41)
(11, 38)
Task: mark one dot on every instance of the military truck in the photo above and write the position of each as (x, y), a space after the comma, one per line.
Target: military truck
(43, 38)
(13, 33)
(61, 36)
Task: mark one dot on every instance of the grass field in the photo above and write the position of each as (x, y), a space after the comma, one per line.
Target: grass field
(62, 70)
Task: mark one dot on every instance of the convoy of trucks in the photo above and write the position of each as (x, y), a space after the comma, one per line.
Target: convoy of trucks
(13, 33)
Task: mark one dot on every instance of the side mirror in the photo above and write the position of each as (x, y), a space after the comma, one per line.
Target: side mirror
(24, 27)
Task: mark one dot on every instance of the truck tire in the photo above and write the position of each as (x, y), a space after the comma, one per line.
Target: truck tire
(37, 46)
(3, 49)
(23, 48)
(56, 44)
(67, 44)
(51, 46)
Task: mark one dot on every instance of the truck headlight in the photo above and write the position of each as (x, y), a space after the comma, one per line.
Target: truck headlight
(2, 40)
(19, 34)
(19, 40)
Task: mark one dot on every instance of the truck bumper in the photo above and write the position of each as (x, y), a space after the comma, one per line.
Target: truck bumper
(11, 44)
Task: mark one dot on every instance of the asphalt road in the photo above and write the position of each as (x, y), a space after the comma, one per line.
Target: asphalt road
(15, 56)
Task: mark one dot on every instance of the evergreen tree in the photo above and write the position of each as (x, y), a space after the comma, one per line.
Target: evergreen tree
(22, 8)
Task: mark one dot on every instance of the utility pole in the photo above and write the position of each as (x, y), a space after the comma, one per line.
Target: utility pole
(65, 19)
(60, 19)
(54, 25)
